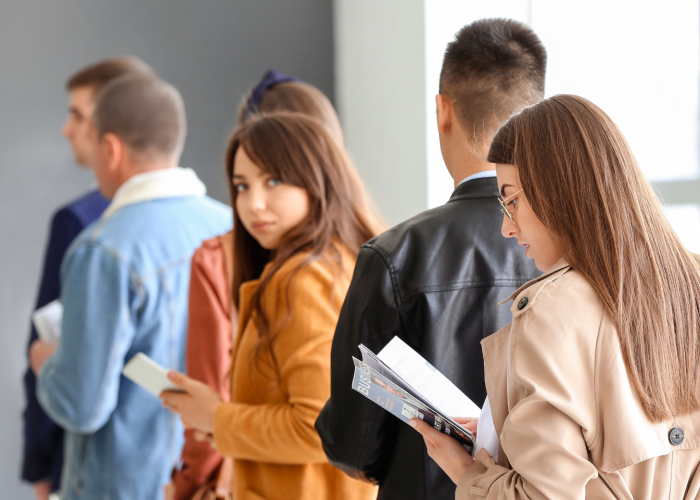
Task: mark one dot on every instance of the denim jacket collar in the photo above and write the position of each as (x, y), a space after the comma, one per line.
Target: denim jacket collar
(154, 185)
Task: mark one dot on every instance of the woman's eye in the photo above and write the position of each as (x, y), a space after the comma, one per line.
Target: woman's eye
(241, 187)
(512, 202)
(273, 182)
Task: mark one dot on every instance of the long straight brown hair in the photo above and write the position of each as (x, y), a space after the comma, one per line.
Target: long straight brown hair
(584, 184)
(299, 151)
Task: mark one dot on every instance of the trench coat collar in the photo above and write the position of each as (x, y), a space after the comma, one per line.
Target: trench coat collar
(531, 289)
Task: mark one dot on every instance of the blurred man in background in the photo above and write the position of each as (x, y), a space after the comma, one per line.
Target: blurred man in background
(43, 439)
(125, 283)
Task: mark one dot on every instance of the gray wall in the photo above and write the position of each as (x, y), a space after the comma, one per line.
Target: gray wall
(212, 50)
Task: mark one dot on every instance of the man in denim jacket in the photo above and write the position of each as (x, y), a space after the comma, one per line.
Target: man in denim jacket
(42, 460)
(124, 290)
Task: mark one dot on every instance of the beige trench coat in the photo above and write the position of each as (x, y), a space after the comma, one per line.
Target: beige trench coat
(570, 421)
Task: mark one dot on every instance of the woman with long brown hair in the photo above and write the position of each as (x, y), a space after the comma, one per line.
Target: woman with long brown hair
(300, 217)
(212, 320)
(593, 388)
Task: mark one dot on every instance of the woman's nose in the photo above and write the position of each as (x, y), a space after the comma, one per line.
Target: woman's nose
(257, 202)
(508, 229)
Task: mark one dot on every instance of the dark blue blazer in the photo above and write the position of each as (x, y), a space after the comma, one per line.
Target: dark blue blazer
(43, 439)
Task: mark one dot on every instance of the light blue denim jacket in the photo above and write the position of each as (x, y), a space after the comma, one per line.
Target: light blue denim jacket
(125, 284)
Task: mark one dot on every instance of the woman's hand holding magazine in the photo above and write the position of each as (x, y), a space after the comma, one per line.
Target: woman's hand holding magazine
(447, 452)
(402, 382)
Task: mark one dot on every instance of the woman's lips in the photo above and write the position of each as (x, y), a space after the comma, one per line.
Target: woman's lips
(527, 247)
(261, 226)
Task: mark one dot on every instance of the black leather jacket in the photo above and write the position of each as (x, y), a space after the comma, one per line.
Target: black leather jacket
(435, 281)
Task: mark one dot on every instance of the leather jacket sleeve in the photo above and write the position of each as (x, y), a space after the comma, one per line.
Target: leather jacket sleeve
(357, 434)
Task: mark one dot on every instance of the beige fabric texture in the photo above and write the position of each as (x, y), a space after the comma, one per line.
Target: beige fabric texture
(570, 421)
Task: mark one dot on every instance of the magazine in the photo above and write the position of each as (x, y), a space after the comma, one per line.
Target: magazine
(402, 382)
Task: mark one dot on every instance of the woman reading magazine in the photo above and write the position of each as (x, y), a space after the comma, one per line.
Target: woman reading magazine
(594, 386)
(300, 217)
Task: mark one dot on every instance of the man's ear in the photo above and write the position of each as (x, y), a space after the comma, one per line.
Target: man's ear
(445, 112)
(114, 150)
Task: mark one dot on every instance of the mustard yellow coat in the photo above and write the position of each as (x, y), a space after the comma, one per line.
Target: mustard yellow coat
(268, 427)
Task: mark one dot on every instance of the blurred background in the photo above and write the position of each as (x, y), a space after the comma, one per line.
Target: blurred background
(378, 61)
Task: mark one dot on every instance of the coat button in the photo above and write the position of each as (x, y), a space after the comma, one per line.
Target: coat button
(676, 436)
(522, 303)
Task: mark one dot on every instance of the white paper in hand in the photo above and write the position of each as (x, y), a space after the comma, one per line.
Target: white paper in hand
(47, 321)
(149, 375)
(486, 435)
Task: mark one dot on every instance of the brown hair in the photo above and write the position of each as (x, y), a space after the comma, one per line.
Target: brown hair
(582, 181)
(492, 69)
(99, 74)
(296, 97)
(299, 151)
(146, 113)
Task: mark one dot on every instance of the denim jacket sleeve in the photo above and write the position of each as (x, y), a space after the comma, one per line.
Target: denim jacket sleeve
(78, 387)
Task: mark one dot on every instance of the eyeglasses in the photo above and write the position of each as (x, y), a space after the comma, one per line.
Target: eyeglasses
(504, 209)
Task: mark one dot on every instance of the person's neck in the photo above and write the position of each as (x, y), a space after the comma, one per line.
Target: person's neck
(468, 169)
(464, 161)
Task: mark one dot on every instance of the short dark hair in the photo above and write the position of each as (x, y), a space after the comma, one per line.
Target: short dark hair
(145, 112)
(99, 74)
(492, 69)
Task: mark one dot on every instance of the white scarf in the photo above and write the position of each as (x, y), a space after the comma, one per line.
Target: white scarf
(166, 183)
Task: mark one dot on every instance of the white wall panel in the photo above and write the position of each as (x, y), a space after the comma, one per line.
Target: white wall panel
(380, 95)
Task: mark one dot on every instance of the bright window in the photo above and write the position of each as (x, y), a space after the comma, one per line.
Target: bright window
(638, 60)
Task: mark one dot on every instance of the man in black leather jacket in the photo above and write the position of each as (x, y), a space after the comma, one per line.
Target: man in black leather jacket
(436, 279)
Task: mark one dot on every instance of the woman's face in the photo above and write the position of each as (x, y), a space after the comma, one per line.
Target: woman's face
(266, 206)
(528, 229)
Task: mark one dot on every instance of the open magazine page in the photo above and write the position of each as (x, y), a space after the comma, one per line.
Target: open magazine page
(371, 360)
(414, 366)
(402, 404)
(426, 380)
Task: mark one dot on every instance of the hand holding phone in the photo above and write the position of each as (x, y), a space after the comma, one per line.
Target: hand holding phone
(148, 374)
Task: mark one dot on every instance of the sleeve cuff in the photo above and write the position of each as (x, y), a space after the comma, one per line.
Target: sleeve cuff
(224, 415)
(477, 481)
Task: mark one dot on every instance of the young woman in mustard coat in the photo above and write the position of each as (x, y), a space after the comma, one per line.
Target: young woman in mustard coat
(300, 217)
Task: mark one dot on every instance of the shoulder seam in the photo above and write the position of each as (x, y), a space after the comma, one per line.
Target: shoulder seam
(392, 271)
(462, 285)
(395, 288)
(134, 279)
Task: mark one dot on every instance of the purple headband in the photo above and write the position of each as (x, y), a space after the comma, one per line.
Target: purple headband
(270, 79)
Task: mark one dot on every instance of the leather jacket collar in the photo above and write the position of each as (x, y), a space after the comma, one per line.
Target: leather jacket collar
(486, 187)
